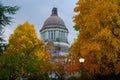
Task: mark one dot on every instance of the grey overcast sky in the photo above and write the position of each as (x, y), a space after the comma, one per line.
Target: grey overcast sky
(37, 11)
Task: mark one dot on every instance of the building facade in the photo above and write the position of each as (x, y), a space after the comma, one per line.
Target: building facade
(55, 34)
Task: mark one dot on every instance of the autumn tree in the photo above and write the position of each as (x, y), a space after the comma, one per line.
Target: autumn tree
(25, 41)
(98, 23)
(25, 56)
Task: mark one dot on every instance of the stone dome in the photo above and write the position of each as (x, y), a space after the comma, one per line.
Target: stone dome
(54, 20)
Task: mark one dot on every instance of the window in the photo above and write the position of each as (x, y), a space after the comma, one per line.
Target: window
(51, 34)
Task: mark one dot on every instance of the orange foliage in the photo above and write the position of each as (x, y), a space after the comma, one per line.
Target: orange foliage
(99, 35)
(71, 67)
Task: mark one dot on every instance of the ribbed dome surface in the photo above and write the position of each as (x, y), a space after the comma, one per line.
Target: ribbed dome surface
(54, 20)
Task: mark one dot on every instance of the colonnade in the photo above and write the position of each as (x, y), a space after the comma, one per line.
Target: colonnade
(55, 35)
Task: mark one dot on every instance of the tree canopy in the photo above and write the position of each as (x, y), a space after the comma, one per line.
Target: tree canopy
(25, 41)
(98, 22)
(25, 55)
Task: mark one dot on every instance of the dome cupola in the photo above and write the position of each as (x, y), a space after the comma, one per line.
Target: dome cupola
(54, 11)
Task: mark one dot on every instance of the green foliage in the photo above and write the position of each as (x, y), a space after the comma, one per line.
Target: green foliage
(14, 67)
(5, 19)
(4, 11)
(76, 28)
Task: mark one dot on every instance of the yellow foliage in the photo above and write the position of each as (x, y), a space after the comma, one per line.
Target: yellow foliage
(25, 41)
(99, 34)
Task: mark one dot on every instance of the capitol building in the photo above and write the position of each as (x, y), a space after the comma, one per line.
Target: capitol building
(55, 34)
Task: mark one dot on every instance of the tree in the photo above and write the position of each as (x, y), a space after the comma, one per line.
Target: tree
(25, 41)
(5, 19)
(98, 22)
(25, 55)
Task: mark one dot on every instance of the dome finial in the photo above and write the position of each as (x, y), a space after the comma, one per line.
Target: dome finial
(54, 11)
